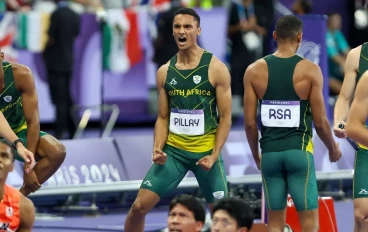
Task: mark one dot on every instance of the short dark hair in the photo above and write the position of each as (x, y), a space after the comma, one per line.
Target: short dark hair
(306, 6)
(238, 209)
(193, 204)
(12, 149)
(189, 11)
(287, 27)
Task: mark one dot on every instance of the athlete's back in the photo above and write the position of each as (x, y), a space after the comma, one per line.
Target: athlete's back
(10, 209)
(285, 114)
(290, 90)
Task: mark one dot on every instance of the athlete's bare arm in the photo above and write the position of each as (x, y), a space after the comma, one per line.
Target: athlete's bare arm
(316, 100)
(27, 214)
(347, 91)
(161, 126)
(25, 84)
(5, 130)
(219, 73)
(355, 127)
(250, 110)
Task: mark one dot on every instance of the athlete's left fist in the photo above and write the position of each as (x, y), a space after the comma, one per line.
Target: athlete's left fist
(206, 162)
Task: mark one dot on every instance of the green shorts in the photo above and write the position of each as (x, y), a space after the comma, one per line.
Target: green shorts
(360, 179)
(289, 171)
(162, 179)
(23, 135)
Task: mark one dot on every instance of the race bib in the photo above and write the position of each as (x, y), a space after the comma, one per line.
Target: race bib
(280, 113)
(187, 122)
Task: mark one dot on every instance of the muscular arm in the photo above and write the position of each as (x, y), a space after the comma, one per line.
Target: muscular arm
(25, 83)
(316, 100)
(27, 214)
(355, 127)
(162, 122)
(5, 130)
(250, 112)
(223, 97)
(347, 91)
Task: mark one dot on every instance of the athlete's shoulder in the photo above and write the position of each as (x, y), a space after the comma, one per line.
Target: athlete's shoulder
(355, 52)
(256, 68)
(27, 212)
(162, 70)
(21, 70)
(218, 70)
(217, 64)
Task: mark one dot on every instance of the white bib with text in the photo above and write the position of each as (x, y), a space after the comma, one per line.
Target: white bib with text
(280, 113)
(187, 122)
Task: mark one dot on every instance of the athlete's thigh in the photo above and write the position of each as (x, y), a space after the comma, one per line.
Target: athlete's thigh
(360, 179)
(213, 183)
(23, 135)
(274, 180)
(162, 179)
(301, 179)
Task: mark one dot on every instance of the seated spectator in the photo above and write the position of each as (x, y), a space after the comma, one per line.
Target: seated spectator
(232, 215)
(337, 50)
(186, 214)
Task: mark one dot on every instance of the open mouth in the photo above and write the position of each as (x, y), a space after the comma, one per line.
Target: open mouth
(182, 40)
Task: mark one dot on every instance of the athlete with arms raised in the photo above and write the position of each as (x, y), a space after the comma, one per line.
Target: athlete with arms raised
(355, 65)
(195, 101)
(289, 89)
(19, 105)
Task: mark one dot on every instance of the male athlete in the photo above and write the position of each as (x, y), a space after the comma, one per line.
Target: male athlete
(195, 102)
(289, 89)
(19, 105)
(355, 65)
(17, 212)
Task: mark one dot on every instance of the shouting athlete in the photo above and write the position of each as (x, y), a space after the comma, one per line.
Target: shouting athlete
(289, 89)
(17, 212)
(195, 102)
(19, 105)
(355, 65)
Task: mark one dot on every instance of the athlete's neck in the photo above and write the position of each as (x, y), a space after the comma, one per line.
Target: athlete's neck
(190, 55)
(285, 50)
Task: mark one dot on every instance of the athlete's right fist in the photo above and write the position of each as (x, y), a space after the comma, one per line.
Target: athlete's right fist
(159, 157)
(335, 155)
(339, 130)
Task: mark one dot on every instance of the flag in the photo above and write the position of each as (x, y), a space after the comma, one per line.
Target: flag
(121, 41)
(32, 30)
(8, 28)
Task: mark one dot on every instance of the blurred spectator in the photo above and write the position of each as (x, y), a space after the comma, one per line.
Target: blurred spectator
(186, 214)
(243, 33)
(232, 215)
(301, 7)
(337, 50)
(58, 56)
(165, 45)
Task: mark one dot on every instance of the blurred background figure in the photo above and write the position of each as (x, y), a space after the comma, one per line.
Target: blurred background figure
(337, 50)
(246, 36)
(64, 29)
(302, 7)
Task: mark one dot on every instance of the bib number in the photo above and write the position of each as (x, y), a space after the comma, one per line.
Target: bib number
(280, 113)
(187, 122)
